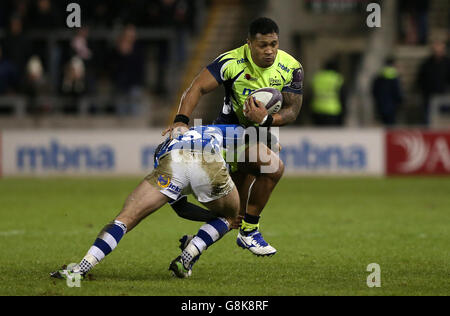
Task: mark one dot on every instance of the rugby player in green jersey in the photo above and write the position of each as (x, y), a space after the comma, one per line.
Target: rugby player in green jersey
(257, 64)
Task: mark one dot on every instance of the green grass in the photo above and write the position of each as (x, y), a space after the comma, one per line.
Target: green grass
(326, 230)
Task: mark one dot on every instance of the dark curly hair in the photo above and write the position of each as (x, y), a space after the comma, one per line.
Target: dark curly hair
(263, 26)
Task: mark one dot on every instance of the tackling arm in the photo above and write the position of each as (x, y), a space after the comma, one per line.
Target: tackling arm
(201, 85)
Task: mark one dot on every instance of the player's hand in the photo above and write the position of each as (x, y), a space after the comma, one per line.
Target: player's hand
(176, 130)
(254, 110)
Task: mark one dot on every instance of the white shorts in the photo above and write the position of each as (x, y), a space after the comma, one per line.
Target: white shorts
(183, 172)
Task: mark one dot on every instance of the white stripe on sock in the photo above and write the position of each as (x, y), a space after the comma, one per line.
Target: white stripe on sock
(199, 243)
(212, 232)
(109, 239)
(96, 252)
(91, 259)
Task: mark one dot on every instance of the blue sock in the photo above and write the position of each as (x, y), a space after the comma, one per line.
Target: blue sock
(106, 241)
(208, 234)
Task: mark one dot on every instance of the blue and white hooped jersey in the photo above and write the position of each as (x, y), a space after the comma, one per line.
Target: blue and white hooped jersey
(212, 138)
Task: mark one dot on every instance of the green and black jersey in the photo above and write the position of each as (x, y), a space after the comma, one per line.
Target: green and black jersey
(241, 76)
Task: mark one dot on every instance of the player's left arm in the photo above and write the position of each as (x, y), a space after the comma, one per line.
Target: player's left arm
(292, 100)
(292, 104)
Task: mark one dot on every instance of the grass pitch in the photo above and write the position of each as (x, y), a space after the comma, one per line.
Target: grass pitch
(327, 231)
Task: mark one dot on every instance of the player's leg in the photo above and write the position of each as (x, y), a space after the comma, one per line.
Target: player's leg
(243, 181)
(191, 211)
(265, 182)
(226, 209)
(226, 206)
(267, 173)
(144, 200)
(214, 188)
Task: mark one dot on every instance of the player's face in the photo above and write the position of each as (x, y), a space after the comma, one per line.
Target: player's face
(264, 49)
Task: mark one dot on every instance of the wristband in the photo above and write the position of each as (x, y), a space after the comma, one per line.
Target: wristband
(181, 118)
(267, 122)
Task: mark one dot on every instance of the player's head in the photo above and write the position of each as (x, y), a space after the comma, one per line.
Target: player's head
(263, 41)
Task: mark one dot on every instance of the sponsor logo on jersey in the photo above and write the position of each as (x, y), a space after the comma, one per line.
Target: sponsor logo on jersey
(247, 91)
(163, 181)
(174, 189)
(283, 67)
(274, 82)
(241, 61)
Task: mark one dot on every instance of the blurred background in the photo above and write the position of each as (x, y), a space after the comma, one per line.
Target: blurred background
(129, 63)
(367, 163)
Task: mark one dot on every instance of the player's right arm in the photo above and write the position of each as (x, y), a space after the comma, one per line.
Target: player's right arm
(201, 85)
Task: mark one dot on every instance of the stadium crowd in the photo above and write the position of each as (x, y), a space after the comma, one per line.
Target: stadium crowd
(432, 76)
(35, 61)
(78, 64)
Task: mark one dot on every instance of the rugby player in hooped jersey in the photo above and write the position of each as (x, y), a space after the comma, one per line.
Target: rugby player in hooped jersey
(192, 163)
(257, 64)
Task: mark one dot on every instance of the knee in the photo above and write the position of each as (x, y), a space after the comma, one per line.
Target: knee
(278, 171)
(231, 210)
(233, 207)
(129, 222)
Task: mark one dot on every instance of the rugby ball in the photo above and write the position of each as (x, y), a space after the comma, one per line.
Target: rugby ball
(270, 97)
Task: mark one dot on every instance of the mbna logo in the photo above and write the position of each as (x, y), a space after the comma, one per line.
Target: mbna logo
(247, 91)
(59, 157)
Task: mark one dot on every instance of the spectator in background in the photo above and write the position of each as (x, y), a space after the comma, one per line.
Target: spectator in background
(21, 8)
(433, 77)
(79, 44)
(44, 16)
(176, 14)
(4, 11)
(414, 21)
(128, 65)
(73, 83)
(36, 86)
(132, 12)
(99, 13)
(80, 47)
(74, 77)
(181, 19)
(387, 93)
(9, 79)
(17, 44)
(422, 12)
(328, 100)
